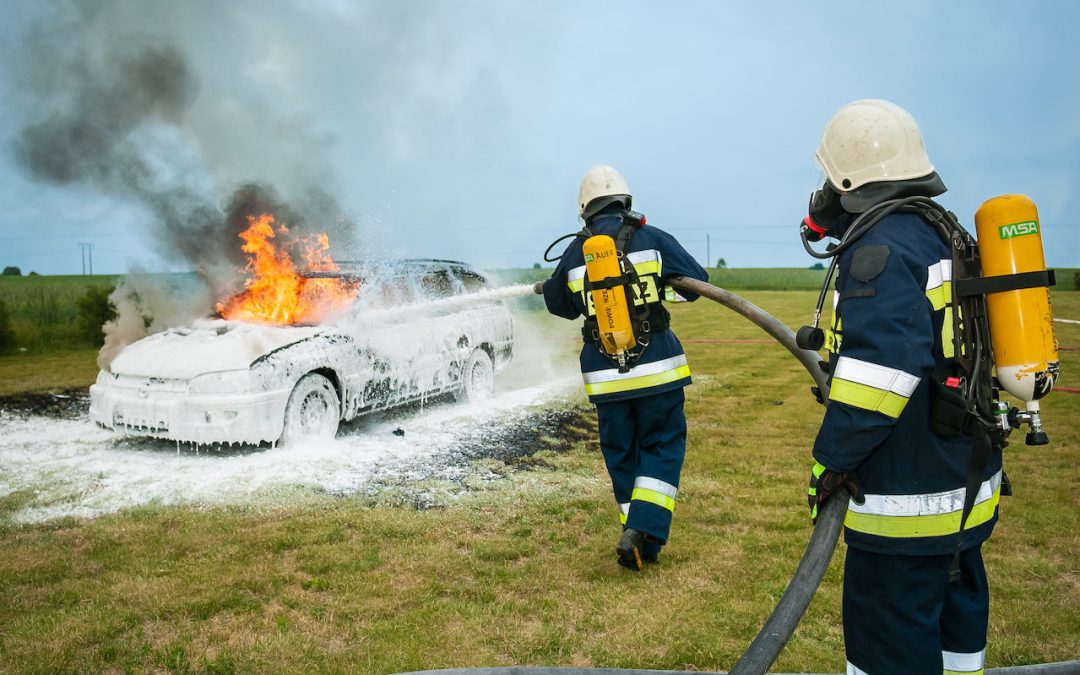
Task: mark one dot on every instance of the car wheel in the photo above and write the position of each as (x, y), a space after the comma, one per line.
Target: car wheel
(477, 377)
(313, 410)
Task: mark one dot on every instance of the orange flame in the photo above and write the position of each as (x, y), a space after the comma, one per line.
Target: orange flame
(275, 293)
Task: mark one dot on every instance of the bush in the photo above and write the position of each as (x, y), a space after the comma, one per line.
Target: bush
(94, 309)
(7, 337)
(11, 271)
(1076, 280)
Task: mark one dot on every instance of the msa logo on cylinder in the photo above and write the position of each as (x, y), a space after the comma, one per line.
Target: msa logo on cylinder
(1018, 229)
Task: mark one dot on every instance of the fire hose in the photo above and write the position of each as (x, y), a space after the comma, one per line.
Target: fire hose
(781, 623)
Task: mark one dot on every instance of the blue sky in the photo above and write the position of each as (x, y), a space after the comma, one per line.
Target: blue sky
(461, 129)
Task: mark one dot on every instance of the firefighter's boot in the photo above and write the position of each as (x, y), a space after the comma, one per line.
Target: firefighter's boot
(630, 548)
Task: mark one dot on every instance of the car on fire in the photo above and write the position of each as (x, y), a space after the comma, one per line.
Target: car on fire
(223, 382)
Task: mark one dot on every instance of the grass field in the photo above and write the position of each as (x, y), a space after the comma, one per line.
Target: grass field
(44, 310)
(521, 571)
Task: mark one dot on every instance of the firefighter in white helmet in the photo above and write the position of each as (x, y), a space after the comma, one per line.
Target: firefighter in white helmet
(640, 404)
(915, 591)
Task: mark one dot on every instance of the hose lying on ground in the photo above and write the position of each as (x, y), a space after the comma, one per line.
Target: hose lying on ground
(780, 625)
(1060, 668)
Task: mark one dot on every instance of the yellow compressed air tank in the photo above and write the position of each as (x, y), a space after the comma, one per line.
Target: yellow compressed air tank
(1021, 321)
(612, 311)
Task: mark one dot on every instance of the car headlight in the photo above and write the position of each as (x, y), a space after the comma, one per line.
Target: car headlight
(224, 382)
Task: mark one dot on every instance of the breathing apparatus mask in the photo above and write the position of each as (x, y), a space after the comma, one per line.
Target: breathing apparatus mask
(823, 211)
(847, 216)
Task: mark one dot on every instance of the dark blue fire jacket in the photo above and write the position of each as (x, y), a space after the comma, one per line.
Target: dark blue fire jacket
(656, 256)
(892, 325)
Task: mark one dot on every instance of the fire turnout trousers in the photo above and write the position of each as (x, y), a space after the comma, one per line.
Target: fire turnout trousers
(902, 616)
(644, 441)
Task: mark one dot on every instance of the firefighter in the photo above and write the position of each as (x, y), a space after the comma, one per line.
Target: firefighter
(640, 411)
(890, 342)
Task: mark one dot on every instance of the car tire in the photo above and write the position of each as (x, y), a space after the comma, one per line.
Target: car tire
(477, 378)
(313, 410)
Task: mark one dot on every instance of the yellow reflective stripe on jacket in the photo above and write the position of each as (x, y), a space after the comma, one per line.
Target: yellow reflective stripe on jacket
(963, 663)
(924, 515)
(643, 376)
(939, 293)
(948, 349)
(867, 398)
(834, 335)
(624, 512)
(871, 386)
(672, 295)
(654, 491)
(939, 284)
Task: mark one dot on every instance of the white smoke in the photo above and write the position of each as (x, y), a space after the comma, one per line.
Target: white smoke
(147, 304)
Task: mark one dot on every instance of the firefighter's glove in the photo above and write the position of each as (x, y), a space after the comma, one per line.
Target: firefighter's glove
(538, 288)
(824, 482)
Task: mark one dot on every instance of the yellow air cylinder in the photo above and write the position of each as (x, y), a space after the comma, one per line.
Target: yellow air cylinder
(1021, 321)
(612, 311)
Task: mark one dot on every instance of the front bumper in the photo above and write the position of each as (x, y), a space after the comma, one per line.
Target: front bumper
(191, 418)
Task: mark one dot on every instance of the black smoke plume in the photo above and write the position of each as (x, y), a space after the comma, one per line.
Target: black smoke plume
(115, 123)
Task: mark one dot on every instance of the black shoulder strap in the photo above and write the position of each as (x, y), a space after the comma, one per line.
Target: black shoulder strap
(622, 239)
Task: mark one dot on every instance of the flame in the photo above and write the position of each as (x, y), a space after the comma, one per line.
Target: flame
(275, 293)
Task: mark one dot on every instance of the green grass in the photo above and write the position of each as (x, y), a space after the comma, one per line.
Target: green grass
(43, 309)
(48, 371)
(522, 571)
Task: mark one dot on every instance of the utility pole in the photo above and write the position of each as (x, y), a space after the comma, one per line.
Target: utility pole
(86, 253)
(708, 251)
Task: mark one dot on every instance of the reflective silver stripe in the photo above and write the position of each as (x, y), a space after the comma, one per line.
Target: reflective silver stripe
(654, 368)
(939, 284)
(625, 508)
(873, 375)
(964, 663)
(648, 255)
(852, 669)
(666, 489)
(938, 273)
(930, 504)
(835, 300)
(635, 258)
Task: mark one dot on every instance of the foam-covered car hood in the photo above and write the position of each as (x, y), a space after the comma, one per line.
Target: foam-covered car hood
(207, 346)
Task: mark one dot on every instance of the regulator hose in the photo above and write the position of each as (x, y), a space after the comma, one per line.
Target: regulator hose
(780, 625)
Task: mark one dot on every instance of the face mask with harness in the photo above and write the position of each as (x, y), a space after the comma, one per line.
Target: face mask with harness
(1002, 325)
(624, 319)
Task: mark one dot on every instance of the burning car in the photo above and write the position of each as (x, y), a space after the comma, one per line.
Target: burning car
(400, 333)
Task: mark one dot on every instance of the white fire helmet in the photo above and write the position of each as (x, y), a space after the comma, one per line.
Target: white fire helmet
(870, 141)
(601, 181)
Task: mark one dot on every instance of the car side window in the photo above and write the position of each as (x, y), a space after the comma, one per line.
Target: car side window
(395, 291)
(438, 284)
